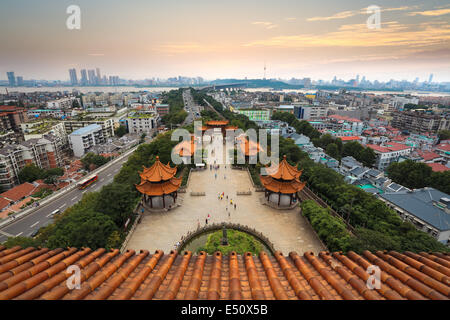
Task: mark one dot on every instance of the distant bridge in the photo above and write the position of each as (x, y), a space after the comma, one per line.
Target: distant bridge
(225, 86)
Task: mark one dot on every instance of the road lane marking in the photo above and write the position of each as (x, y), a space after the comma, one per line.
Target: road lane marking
(49, 215)
(18, 234)
(62, 206)
(102, 179)
(73, 198)
(7, 234)
(34, 224)
(109, 175)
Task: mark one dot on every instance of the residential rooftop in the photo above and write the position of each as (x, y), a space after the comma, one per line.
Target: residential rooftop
(423, 204)
(86, 130)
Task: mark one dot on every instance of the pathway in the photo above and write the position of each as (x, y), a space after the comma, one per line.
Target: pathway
(287, 229)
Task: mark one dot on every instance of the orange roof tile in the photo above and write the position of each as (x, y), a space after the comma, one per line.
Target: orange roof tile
(32, 273)
(286, 187)
(437, 167)
(4, 203)
(158, 189)
(158, 172)
(285, 171)
(217, 123)
(350, 138)
(19, 192)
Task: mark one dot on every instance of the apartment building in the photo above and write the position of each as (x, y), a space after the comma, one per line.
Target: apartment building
(83, 139)
(44, 152)
(388, 153)
(310, 112)
(162, 109)
(106, 124)
(63, 103)
(420, 122)
(15, 115)
(39, 128)
(142, 122)
(256, 114)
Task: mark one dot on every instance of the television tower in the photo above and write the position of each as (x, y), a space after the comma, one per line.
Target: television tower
(264, 70)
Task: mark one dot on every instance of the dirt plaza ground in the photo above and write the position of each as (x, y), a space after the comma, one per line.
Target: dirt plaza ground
(287, 229)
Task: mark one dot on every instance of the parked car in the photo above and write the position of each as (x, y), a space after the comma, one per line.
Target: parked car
(34, 234)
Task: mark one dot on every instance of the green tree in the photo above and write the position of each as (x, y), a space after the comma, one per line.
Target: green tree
(30, 173)
(367, 156)
(410, 174)
(238, 241)
(440, 181)
(333, 151)
(23, 242)
(116, 201)
(85, 228)
(444, 134)
(93, 159)
(120, 131)
(352, 149)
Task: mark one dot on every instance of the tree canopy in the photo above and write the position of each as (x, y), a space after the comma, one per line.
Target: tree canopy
(414, 175)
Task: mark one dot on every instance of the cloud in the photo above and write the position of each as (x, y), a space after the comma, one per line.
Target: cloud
(392, 33)
(433, 13)
(267, 24)
(290, 19)
(339, 15)
(352, 13)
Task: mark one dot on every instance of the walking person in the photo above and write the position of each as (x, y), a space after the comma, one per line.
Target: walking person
(235, 206)
(206, 221)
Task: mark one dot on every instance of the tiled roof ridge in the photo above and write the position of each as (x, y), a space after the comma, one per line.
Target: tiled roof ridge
(40, 273)
(158, 172)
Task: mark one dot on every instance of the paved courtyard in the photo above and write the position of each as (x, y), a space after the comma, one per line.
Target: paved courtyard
(287, 229)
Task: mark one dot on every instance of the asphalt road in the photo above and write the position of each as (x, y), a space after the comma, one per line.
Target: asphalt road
(40, 218)
(190, 107)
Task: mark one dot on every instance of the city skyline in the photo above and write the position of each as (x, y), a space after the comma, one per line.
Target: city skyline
(145, 39)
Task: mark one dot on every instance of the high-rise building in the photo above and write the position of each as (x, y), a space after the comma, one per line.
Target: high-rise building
(99, 77)
(92, 77)
(84, 78)
(73, 77)
(11, 78)
(430, 79)
(19, 81)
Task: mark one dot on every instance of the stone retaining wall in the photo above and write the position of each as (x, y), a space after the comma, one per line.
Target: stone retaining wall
(233, 226)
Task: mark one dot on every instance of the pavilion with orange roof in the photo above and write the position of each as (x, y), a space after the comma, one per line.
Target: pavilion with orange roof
(159, 185)
(282, 183)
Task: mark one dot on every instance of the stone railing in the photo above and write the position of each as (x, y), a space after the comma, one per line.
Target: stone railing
(137, 220)
(196, 194)
(257, 188)
(219, 226)
(244, 193)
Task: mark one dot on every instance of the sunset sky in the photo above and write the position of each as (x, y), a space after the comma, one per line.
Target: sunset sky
(219, 39)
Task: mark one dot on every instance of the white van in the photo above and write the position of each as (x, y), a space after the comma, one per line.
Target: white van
(55, 212)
